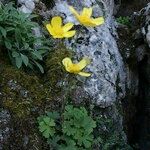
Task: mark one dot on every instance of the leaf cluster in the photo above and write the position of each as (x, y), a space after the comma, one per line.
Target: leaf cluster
(46, 126)
(16, 35)
(73, 130)
(124, 20)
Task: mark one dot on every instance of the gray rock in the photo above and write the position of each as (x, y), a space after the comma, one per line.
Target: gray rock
(4, 127)
(98, 43)
(146, 28)
(15, 86)
(24, 9)
(107, 83)
(27, 6)
(148, 35)
(30, 4)
(140, 52)
(21, 1)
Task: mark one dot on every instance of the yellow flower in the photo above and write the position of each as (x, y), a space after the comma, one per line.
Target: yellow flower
(58, 31)
(85, 17)
(76, 68)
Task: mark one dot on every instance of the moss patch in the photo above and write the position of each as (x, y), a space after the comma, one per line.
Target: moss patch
(26, 96)
(55, 69)
(21, 93)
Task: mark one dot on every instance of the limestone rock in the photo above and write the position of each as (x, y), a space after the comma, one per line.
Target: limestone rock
(27, 6)
(107, 67)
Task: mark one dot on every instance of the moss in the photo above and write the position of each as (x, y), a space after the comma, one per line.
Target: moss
(55, 69)
(24, 94)
(21, 92)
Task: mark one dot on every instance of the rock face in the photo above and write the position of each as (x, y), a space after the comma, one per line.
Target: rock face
(111, 76)
(107, 83)
(136, 103)
(4, 127)
(144, 92)
(27, 5)
(146, 29)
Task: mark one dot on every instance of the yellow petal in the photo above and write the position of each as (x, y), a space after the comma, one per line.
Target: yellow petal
(74, 11)
(84, 74)
(66, 61)
(88, 23)
(87, 12)
(98, 21)
(69, 33)
(50, 29)
(56, 22)
(83, 63)
(58, 36)
(67, 27)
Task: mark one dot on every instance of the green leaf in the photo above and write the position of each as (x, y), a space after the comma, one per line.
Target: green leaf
(87, 144)
(47, 120)
(38, 55)
(8, 45)
(18, 61)
(51, 131)
(26, 46)
(33, 16)
(52, 123)
(46, 126)
(42, 126)
(25, 59)
(18, 35)
(46, 134)
(54, 140)
(15, 54)
(39, 66)
(3, 31)
(8, 29)
(53, 115)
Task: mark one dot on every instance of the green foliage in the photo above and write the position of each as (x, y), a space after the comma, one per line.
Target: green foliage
(46, 126)
(79, 125)
(124, 20)
(73, 130)
(17, 37)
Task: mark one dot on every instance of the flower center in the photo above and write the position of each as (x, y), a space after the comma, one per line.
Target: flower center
(84, 19)
(59, 31)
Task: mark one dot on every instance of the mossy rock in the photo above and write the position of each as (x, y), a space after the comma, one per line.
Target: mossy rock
(55, 70)
(21, 93)
(26, 96)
